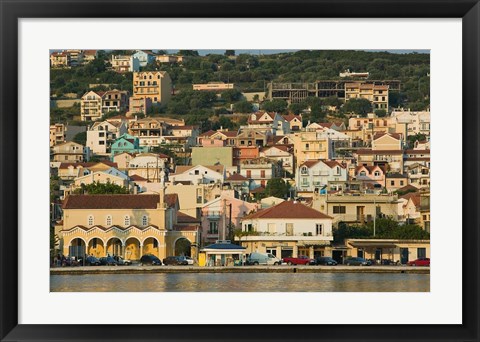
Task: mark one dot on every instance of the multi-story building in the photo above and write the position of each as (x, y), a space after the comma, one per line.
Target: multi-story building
(314, 175)
(282, 154)
(311, 146)
(287, 229)
(59, 60)
(213, 86)
(124, 225)
(417, 122)
(376, 94)
(114, 101)
(91, 106)
(260, 171)
(222, 155)
(241, 154)
(170, 59)
(221, 216)
(57, 134)
(139, 105)
(148, 130)
(68, 152)
(155, 85)
(76, 57)
(122, 63)
(89, 55)
(101, 135)
(144, 57)
(147, 165)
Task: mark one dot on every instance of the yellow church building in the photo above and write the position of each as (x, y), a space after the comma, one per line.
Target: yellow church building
(125, 225)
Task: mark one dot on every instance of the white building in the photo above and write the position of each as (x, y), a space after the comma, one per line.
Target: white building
(417, 122)
(147, 165)
(101, 135)
(314, 175)
(280, 153)
(199, 174)
(287, 229)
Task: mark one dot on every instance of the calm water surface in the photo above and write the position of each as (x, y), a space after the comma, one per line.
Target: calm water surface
(242, 282)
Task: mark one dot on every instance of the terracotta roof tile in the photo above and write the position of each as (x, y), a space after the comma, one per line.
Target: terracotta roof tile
(288, 210)
(236, 177)
(184, 218)
(111, 202)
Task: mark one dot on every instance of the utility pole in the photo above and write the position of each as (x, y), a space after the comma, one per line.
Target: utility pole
(224, 218)
(230, 221)
(374, 214)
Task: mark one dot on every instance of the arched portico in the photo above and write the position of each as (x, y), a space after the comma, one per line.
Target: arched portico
(182, 246)
(96, 247)
(133, 249)
(115, 246)
(151, 245)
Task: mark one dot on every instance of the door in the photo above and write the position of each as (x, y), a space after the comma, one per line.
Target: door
(403, 255)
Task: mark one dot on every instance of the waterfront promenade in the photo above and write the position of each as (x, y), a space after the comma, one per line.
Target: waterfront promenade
(135, 269)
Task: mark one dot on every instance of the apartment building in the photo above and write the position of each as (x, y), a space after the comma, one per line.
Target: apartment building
(101, 135)
(155, 85)
(376, 94)
(124, 63)
(57, 134)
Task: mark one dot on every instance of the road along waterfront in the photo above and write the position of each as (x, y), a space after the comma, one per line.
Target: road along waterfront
(240, 279)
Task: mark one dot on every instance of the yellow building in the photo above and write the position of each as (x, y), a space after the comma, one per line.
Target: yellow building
(155, 85)
(376, 94)
(125, 225)
(57, 134)
(310, 146)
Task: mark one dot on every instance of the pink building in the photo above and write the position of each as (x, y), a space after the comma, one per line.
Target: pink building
(214, 218)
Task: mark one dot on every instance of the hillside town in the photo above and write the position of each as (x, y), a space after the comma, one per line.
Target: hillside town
(319, 168)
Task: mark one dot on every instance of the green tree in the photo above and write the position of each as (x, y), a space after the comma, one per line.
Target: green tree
(276, 105)
(297, 108)
(98, 188)
(277, 187)
(191, 53)
(380, 113)
(231, 95)
(357, 106)
(243, 107)
(229, 52)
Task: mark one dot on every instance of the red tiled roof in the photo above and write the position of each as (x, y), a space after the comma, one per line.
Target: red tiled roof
(208, 133)
(288, 210)
(184, 218)
(257, 190)
(178, 227)
(290, 117)
(230, 134)
(310, 163)
(137, 178)
(393, 135)
(171, 200)
(408, 187)
(414, 196)
(332, 163)
(417, 151)
(111, 202)
(236, 177)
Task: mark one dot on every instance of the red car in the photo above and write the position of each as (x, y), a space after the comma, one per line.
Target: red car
(419, 262)
(301, 260)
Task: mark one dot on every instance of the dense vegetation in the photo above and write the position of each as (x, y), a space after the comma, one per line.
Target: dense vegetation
(385, 228)
(252, 73)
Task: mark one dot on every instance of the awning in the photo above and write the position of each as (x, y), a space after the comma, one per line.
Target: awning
(362, 244)
(313, 243)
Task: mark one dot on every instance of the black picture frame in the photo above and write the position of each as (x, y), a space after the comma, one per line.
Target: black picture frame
(11, 11)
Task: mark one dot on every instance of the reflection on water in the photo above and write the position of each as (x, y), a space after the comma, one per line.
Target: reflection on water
(242, 282)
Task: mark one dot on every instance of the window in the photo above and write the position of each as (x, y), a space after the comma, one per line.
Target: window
(126, 220)
(289, 229)
(213, 227)
(197, 172)
(392, 183)
(421, 253)
(401, 182)
(271, 228)
(144, 220)
(304, 170)
(262, 173)
(249, 174)
(377, 173)
(109, 220)
(307, 146)
(199, 196)
(319, 228)
(340, 209)
(363, 173)
(91, 222)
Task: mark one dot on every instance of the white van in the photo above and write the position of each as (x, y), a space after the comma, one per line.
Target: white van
(263, 259)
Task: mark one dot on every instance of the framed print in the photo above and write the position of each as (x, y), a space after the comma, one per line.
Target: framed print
(228, 140)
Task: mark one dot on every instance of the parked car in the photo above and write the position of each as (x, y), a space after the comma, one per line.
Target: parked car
(419, 262)
(175, 260)
(357, 261)
(150, 259)
(262, 259)
(190, 260)
(122, 262)
(301, 260)
(108, 261)
(325, 261)
(91, 261)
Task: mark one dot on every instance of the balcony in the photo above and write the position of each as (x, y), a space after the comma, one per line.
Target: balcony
(213, 215)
